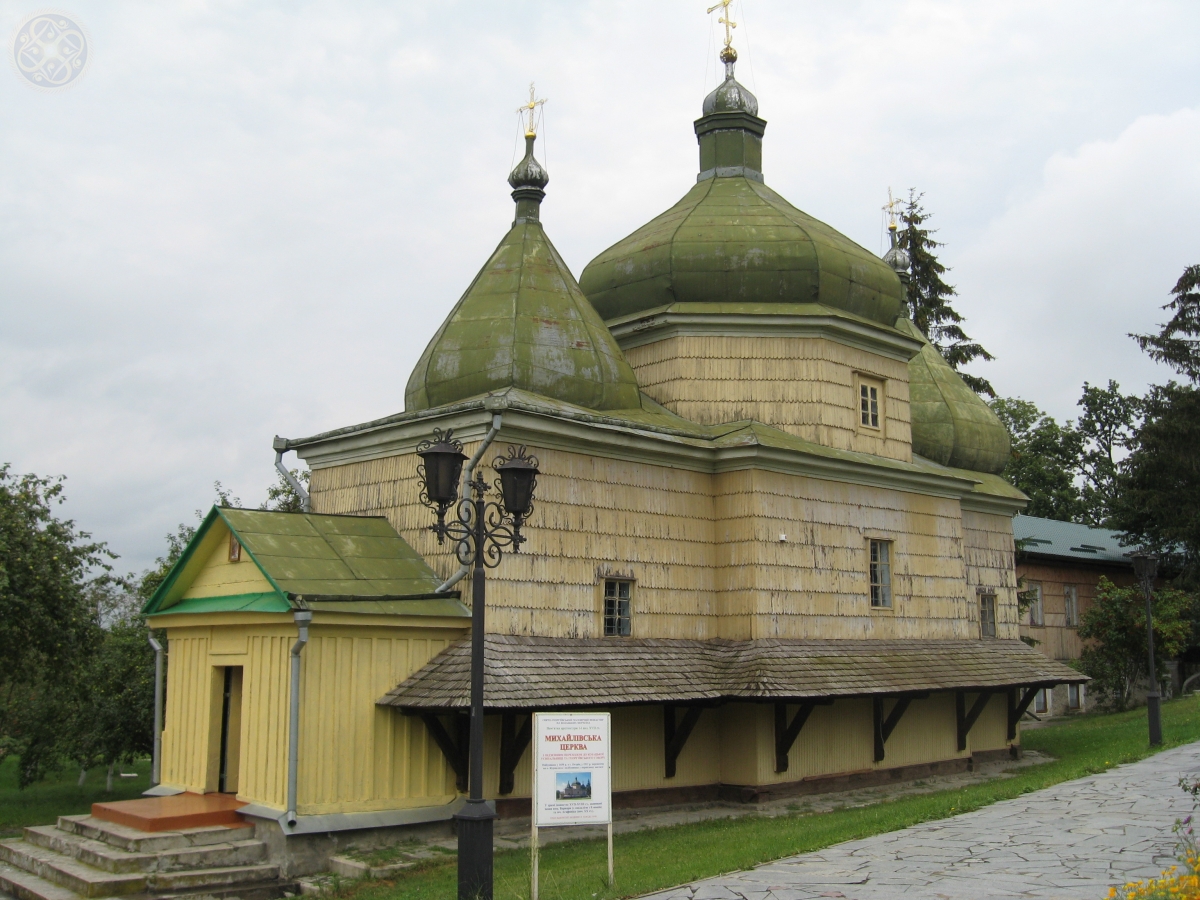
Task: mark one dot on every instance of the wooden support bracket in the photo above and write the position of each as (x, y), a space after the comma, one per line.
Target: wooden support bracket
(786, 732)
(883, 727)
(1017, 707)
(513, 741)
(676, 735)
(454, 750)
(965, 718)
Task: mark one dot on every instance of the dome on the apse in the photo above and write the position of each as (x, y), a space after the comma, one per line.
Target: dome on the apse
(524, 323)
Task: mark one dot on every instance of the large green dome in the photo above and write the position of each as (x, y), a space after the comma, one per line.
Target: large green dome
(732, 239)
(524, 323)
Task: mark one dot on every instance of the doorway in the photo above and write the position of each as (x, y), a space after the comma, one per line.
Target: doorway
(230, 741)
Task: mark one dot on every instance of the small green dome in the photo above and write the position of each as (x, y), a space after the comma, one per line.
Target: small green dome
(524, 323)
(732, 239)
(951, 424)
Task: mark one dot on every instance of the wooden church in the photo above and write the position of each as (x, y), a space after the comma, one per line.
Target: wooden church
(769, 536)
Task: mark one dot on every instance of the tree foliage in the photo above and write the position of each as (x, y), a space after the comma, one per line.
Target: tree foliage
(1107, 427)
(1158, 502)
(1043, 461)
(50, 575)
(1114, 627)
(282, 497)
(1178, 341)
(929, 297)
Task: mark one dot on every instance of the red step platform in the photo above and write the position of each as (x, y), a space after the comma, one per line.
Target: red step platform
(173, 813)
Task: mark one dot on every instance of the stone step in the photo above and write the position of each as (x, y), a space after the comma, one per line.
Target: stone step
(135, 841)
(27, 886)
(70, 873)
(348, 867)
(113, 859)
(227, 876)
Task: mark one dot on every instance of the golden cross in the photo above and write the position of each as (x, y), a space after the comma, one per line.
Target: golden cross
(890, 209)
(724, 19)
(530, 107)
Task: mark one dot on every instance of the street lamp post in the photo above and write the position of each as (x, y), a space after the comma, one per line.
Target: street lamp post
(481, 531)
(1145, 567)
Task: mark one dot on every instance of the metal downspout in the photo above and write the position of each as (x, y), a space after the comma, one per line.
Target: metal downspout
(156, 763)
(302, 617)
(280, 446)
(467, 473)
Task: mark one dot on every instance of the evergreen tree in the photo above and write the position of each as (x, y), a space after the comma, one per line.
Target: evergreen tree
(929, 297)
(1178, 342)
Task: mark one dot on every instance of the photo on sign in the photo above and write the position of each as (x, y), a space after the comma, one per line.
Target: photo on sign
(573, 786)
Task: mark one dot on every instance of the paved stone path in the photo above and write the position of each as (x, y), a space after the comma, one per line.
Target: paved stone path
(1069, 841)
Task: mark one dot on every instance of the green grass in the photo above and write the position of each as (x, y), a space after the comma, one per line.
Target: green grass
(43, 802)
(652, 860)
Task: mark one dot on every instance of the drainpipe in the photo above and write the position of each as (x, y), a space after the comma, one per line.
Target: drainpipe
(280, 446)
(302, 617)
(467, 473)
(156, 764)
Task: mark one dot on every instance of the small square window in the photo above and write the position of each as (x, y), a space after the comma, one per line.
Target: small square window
(1071, 605)
(987, 615)
(616, 607)
(235, 549)
(868, 404)
(1074, 696)
(881, 574)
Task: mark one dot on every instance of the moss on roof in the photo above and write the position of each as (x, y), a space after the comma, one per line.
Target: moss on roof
(352, 563)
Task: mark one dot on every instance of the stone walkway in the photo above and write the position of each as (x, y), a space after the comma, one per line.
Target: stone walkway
(1073, 840)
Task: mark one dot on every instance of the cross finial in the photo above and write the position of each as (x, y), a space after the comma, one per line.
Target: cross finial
(531, 107)
(890, 209)
(729, 26)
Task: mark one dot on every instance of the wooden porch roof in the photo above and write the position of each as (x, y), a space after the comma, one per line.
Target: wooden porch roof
(553, 673)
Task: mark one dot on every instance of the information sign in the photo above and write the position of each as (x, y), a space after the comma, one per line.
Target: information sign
(572, 765)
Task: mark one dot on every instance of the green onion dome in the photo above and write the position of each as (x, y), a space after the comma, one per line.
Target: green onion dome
(733, 240)
(951, 424)
(524, 323)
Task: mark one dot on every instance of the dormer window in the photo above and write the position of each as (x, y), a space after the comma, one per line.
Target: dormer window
(870, 404)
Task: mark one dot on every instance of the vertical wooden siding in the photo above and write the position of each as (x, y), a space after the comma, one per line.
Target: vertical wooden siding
(355, 756)
(186, 724)
(804, 386)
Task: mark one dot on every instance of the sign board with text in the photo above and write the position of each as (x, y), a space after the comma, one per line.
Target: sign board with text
(572, 769)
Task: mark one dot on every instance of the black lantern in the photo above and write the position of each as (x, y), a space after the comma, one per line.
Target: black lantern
(1145, 567)
(518, 477)
(441, 465)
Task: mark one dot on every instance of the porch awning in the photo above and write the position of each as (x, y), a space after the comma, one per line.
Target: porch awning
(524, 673)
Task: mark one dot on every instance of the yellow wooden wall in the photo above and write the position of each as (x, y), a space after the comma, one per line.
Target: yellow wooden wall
(990, 554)
(344, 670)
(802, 385)
(219, 577)
(704, 550)
(735, 744)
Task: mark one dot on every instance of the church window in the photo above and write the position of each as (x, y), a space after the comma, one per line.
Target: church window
(235, 549)
(869, 397)
(987, 615)
(1071, 605)
(616, 607)
(881, 574)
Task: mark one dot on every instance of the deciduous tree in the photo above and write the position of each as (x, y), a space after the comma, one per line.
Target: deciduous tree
(1044, 459)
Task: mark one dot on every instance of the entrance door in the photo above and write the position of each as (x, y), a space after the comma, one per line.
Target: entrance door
(231, 730)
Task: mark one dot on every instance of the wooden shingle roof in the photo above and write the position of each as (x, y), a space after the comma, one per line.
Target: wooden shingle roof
(548, 673)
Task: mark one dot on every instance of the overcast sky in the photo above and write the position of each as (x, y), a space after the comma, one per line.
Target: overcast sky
(248, 219)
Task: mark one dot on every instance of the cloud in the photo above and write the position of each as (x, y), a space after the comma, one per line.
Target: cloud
(1059, 279)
